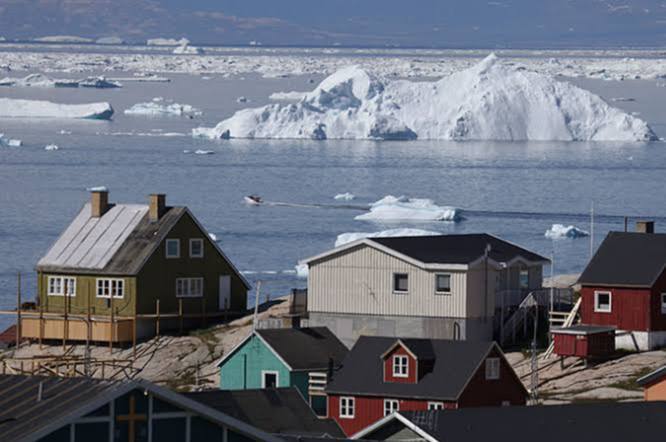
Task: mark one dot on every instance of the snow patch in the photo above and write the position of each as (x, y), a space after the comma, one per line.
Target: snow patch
(346, 238)
(16, 108)
(344, 196)
(558, 231)
(160, 107)
(487, 101)
(391, 208)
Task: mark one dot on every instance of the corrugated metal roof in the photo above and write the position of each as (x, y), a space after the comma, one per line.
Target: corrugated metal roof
(91, 243)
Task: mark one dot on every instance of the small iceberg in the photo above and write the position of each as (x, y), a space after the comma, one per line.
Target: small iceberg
(16, 108)
(391, 208)
(204, 152)
(51, 147)
(559, 231)
(97, 189)
(160, 107)
(38, 80)
(346, 238)
(9, 142)
(186, 49)
(301, 271)
(100, 82)
(344, 196)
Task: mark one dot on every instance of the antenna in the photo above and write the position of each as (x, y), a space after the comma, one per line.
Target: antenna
(256, 306)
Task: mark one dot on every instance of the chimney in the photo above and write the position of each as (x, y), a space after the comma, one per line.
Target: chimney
(157, 206)
(645, 226)
(99, 203)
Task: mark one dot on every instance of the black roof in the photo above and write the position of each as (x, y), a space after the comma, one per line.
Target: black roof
(22, 414)
(608, 422)
(455, 362)
(305, 348)
(278, 410)
(653, 376)
(456, 249)
(627, 259)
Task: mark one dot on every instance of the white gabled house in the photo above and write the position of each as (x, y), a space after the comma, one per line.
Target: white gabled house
(445, 287)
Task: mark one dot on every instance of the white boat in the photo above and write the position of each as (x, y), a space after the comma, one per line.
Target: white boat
(253, 200)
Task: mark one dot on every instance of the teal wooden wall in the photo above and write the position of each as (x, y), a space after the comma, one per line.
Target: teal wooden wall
(242, 370)
(299, 379)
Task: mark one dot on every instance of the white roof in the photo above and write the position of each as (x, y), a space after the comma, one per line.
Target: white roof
(90, 243)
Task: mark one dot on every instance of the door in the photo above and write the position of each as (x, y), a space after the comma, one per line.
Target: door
(225, 292)
(269, 379)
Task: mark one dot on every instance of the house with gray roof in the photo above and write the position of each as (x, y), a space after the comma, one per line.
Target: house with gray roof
(115, 263)
(446, 287)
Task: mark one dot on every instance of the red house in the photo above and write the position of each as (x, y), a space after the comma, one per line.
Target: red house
(382, 375)
(624, 286)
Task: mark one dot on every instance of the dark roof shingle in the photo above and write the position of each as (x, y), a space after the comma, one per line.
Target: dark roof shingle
(305, 348)
(456, 249)
(627, 259)
(455, 362)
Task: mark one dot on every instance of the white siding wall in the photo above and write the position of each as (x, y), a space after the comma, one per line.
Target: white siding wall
(360, 281)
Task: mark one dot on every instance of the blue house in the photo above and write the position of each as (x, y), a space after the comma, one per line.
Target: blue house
(303, 358)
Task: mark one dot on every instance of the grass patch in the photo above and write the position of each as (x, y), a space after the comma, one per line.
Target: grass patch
(631, 384)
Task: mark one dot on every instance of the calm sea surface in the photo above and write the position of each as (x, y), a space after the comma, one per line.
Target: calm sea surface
(514, 190)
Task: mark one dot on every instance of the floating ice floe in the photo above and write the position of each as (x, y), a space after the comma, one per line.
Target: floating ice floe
(63, 39)
(344, 196)
(16, 108)
(160, 107)
(558, 231)
(241, 100)
(51, 147)
(488, 101)
(167, 42)
(9, 142)
(38, 80)
(391, 208)
(204, 152)
(100, 82)
(345, 238)
(186, 49)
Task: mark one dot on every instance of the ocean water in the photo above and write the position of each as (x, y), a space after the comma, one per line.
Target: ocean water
(513, 190)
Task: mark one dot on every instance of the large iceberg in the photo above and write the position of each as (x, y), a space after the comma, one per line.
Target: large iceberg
(391, 208)
(15, 108)
(488, 101)
(345, 238)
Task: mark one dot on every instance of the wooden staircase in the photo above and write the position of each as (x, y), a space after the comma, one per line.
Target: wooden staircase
(556, 318)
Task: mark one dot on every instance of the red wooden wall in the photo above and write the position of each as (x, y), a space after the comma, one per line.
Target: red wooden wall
(598, 344)
(630, 308)
(388, 367)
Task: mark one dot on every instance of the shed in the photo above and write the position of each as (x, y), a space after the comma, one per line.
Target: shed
(654, 385)
(584, 341)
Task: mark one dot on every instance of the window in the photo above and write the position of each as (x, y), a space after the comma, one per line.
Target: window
(492, 368)
(107, 287)
(173, 248)
(400, 366)
(435, 405)
(400, 282)
(269, 379)
(347, 407)
(189, 287)
(443, 283)
(391, 406)
(663, 303)
(196, 248)
(602, 302)
(506, 403)
(59, 285)
(524, 279)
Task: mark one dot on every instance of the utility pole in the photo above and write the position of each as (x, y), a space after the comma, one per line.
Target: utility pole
(256, 306)
(592, 230)
(534, 363)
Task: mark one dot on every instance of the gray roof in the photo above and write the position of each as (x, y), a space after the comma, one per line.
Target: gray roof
(656, 375)
(608, 422)
(24, 418)
(455, 362)
(457, 249)
(308, 348)
(582, 329)
(627, 259)
(276, 410)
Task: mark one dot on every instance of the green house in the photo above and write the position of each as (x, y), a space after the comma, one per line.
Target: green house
(303, 358)
(117, 267)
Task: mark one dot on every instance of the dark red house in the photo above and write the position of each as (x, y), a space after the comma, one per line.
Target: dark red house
(624, 286)
(382, 375)
(584, 341)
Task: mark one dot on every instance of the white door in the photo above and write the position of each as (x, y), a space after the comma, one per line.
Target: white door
(225, 292)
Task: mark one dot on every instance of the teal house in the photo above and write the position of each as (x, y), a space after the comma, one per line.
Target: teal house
(304, 358)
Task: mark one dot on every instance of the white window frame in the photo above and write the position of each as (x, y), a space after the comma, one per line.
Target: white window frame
(397, 363)
(71, 286)
(394, 285)
(442, 292)
(200, 241)
(263, 377)
(435, 405)
(522, 272)
(188, 283)
(663, 303)
(492, 369)
(347, 407)
(391, 406)
(119, 288)
(166, 248)
(596, 301)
